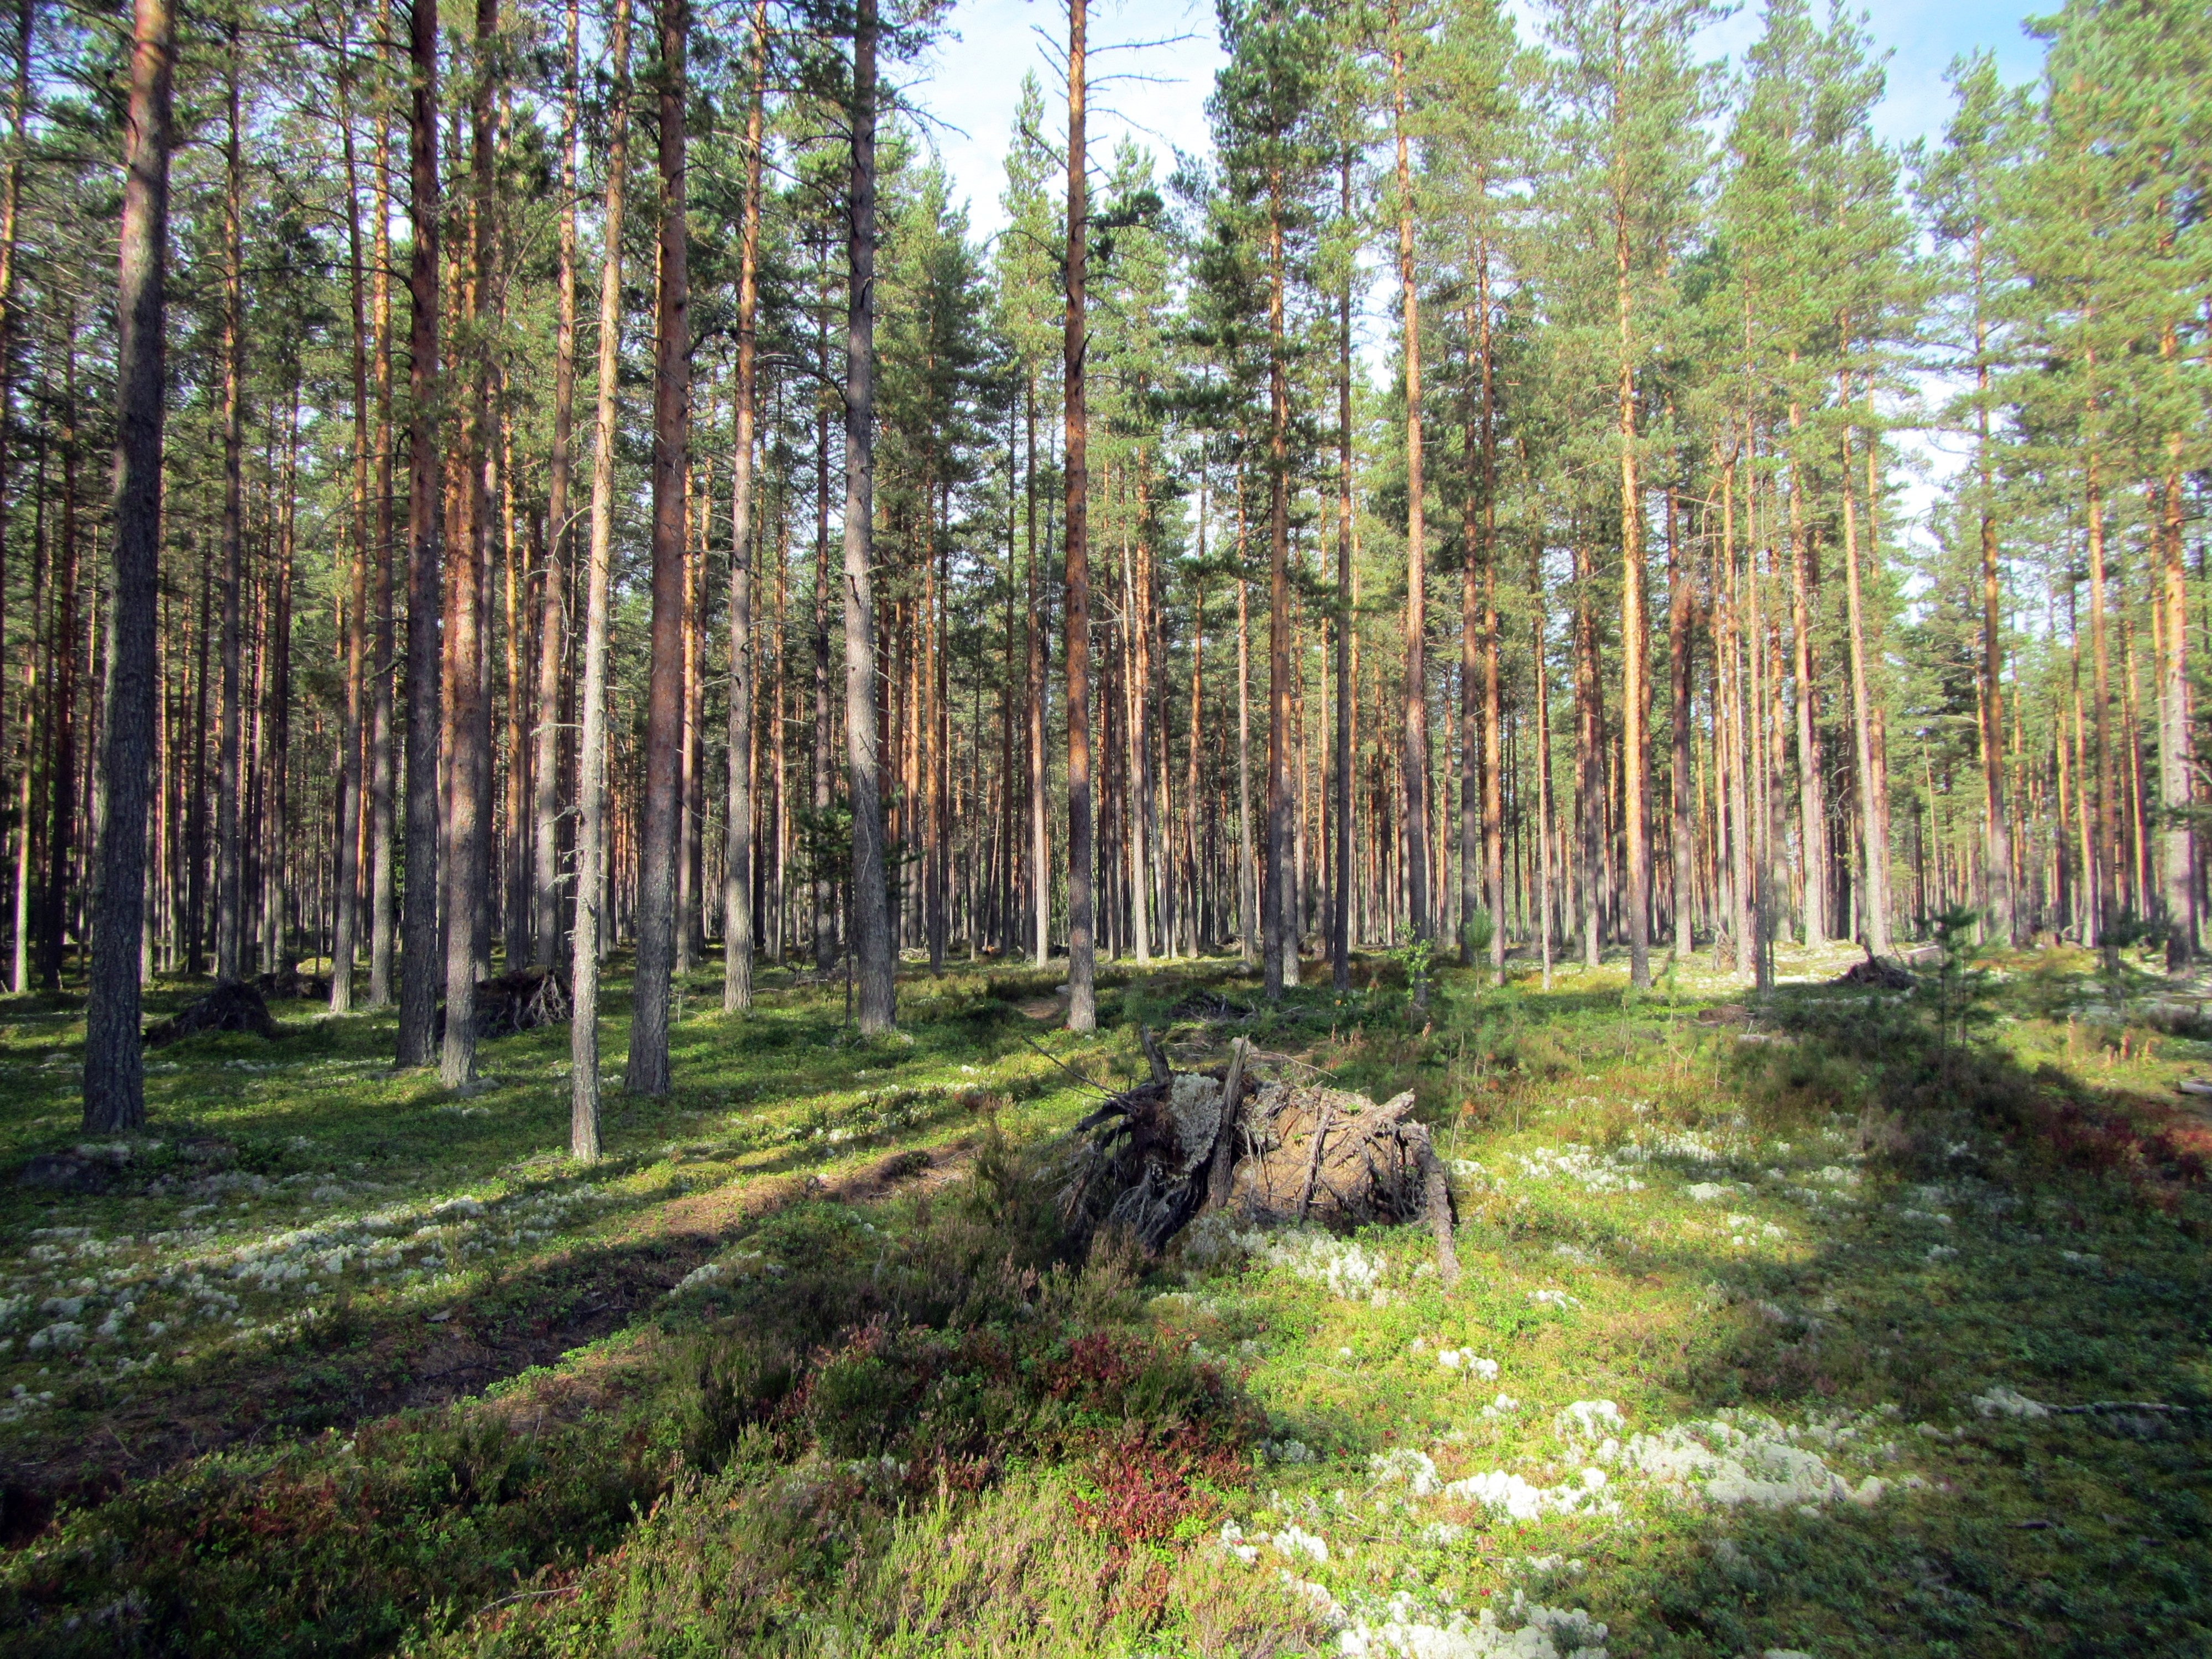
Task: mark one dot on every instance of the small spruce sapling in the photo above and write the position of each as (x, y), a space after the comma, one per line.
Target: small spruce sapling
(1957, 994)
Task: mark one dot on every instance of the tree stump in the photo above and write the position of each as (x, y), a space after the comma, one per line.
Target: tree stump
(233, 1006)
(1152, 1158)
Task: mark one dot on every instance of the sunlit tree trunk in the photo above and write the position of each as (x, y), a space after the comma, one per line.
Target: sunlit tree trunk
(1082, 1009)
(593, 923)
(1873, 896)
(1414, 759)
(1278, 901)
(875, 950)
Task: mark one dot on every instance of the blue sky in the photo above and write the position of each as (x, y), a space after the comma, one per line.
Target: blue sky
(968, 82)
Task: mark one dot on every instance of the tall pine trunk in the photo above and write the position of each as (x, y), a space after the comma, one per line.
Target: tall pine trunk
(737, 878)
(230, 860)
(594, 924)
(468, 684)
(1635, 626)
(383, 807)
(2176, 757)
(1340, 918)
(418, 944)
(114, 1073)
(873, 949)
(553, 593)
(647, 1071)
(347, 876)
(1279, 940)
(1874, 890)
(1082, 1008)
(1414, 761)
(1997, 828)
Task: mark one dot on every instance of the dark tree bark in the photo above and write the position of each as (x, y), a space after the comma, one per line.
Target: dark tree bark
(468, 687)
(1082, 1004)
(553, 593)
(737, 878)
(230, 860)
(872, 947)
(382, 764)
(646, 1072)
(347, 876)
(11, 197)
(418, 945)
(114, 1073)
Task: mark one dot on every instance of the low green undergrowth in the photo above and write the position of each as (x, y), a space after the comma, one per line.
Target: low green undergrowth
(1803, 1328)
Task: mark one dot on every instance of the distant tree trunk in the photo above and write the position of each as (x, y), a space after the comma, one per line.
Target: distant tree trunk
(1339, 917)
(592, 922)
(2106, 855)
(2176, 760)
(346, 879)
(553, 593)
(1874, 889)
(276, 655)
(418, 945)
(11, 196)
(1812, 811)
(1278, 914)
(1681, 609)
(1545, 834)
(647, 1072)
(1635, 632)
(872, 946)
(114, 1073)
(738, 876)
(468, 689)
(1034, 671)
(1995, 829)
(824, 895)
(61, 732)
(1590, 762)
(1082, 1006)
(1414, 761)
(382, 764)
(522, 551)
(230, 863)
(1248, 896)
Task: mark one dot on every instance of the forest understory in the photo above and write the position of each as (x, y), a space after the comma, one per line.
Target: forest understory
(1850, 1321)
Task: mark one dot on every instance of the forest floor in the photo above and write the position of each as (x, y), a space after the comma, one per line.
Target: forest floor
(1823, 1326)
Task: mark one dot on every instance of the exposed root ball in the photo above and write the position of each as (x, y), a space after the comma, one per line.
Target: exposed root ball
(233, 1006)
(1146, 1160)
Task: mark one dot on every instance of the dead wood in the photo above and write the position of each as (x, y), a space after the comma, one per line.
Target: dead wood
(233, 1006)
(1152, 1158)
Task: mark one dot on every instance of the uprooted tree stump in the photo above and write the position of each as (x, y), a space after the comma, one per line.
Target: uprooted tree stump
(294, 985)
(233, 1006)
(1152, 1159)
(510, 1004)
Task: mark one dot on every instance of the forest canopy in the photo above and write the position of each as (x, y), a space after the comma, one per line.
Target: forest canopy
(581, 481)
